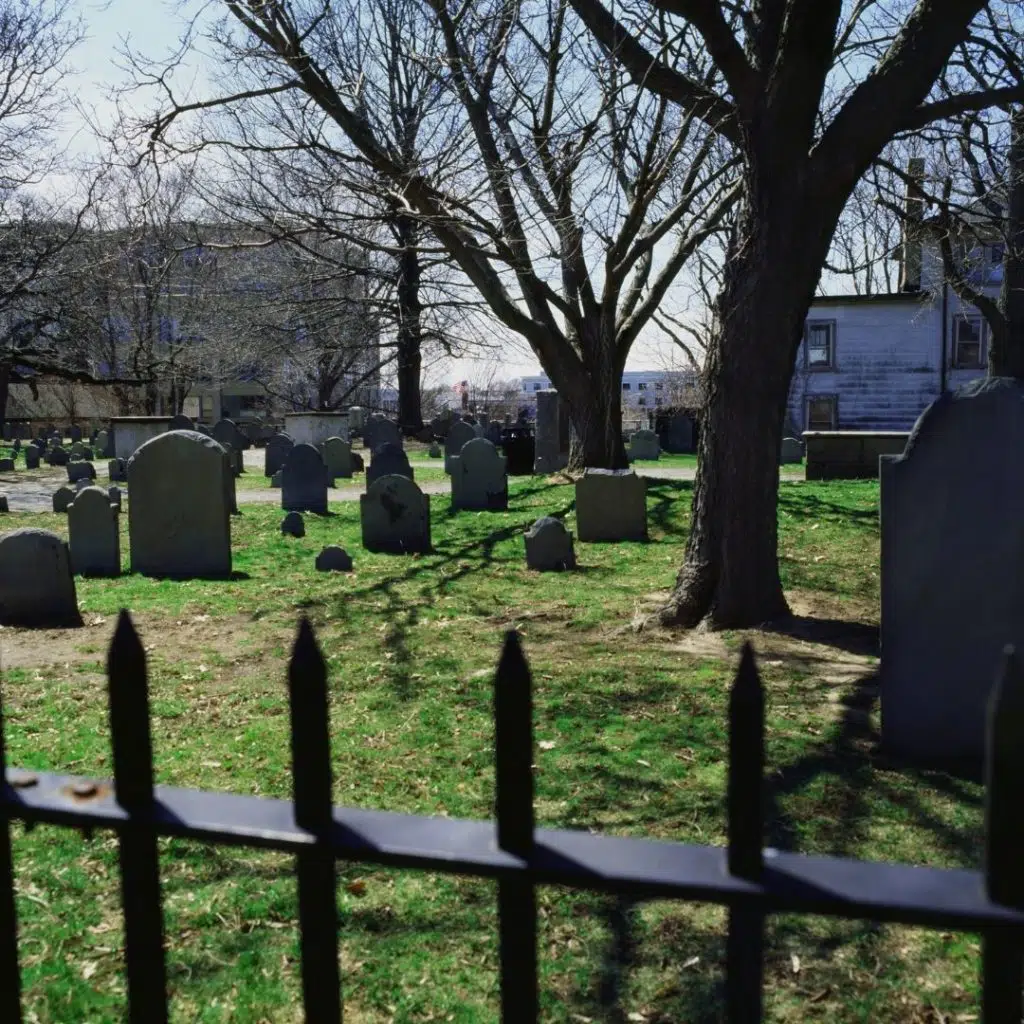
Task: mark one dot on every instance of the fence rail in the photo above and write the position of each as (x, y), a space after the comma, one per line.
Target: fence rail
(752, 882)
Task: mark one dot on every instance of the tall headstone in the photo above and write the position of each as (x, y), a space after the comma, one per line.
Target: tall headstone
(304, 481)
(643, 444)
(37, 589)
(32, 456)
(679, 434)
(791, 451)
(233, 441)
(549, 456)
(459, 433)
(479, 477)
(93, 534)
(74, 433)
(338, 457)
(395, 516)
(611, 505)
(275, 452)
(388, 459)
(952, 530)
(179, 508)
(378, 430)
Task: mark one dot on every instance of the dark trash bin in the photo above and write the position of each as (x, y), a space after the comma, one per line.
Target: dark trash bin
(518, 445)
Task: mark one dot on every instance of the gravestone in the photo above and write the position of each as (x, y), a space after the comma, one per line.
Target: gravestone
(611, 505)
(180, 493)
(114, 497)
(493, 433)
(77, 448)
(952, 533)
(479, 477)
(275, 480)
(131, 432)
(315, 427)
(434, 451)
(181, 422)
(333, 559)
(80, 471)
(57, 456)
(293, 525)
(304, 481)
(395, 516)
(337, 457)
(102, 445)
(74, 433)
(93, 534)
(356, 419)
(8, 432)
(549, 546)
(233, 441)
(275, 452)
(83, 482)
(643, 444)
(678, 435)
(37, 589)
(388, 460)
(377, 431)
(459, 433)
(117, 471)
(32, 456)
(62, 497)
(6, 465)
(4, 507)
(792, 451)
(357, 463)
(549, 456)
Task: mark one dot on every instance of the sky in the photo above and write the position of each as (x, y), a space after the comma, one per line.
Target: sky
(153, 26)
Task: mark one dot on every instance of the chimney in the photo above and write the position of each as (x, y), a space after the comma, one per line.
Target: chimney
(913, 215)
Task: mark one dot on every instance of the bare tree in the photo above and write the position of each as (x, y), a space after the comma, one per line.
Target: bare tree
(811, 91)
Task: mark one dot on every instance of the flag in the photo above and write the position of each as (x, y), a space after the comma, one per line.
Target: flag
(461, 388)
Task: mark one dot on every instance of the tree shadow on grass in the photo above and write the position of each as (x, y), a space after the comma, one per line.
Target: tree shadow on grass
(802, 505)
(845, 634)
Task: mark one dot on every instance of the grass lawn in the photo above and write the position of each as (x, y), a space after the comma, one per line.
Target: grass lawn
(631, 740)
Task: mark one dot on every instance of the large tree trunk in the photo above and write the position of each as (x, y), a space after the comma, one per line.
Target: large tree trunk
(730, 576)
(1006, 355)
(5, 387)
(410, 330)
(596, 414)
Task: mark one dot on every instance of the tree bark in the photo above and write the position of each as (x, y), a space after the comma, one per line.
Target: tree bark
(596, 414)
(410, 330)
(5, 387)
(729, 577)
(1006, 354)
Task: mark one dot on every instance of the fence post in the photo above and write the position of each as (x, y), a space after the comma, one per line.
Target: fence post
(517, 898)
(10, 975)
(745, 813)
(137, 848)
(1001, 957)
(311, 795)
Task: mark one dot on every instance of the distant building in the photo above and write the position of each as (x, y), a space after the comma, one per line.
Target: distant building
(643, 391)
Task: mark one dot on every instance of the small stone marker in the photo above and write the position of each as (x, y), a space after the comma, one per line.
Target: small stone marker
(62, 497)
(434, 451)
(114, 495)
(334, 559)
(275, 452)
(117, 470)
(479, 477)
(792, 451)
(304, 481)
(643, 444)
(6, 465)
(461, 433)
(180, 492)
(80, 471)
(337, 457)
(611, 505)
(395, 516)
(275, 480)
(37, 589)
(293, 525)
(549, 546)
(93, 534)
(388, 459)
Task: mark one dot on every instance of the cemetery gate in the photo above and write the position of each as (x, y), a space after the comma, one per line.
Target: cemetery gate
(749, 880)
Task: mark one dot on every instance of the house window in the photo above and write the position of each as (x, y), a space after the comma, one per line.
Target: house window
(625, 387)
(821, 412)
(967, 342)
(658, 386)
(641, 401)
(536, 387)
(820, 344)
(657, 401)
(642, 386)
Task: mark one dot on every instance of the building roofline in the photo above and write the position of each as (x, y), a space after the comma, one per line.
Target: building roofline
(909, 296)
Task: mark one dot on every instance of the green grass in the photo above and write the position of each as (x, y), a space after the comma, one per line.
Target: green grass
(631, 741)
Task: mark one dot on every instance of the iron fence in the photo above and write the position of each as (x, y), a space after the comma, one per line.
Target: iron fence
(750, 881)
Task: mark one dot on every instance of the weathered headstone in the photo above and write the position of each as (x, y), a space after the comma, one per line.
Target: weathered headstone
(114, 497)
(792, 451)
(459, 433)
(180, 496)
(93, 534)
(337, 457)
(479, 477)
(549, 456)
(4, 507)
(395, 516)
(293, 525)
(102, 445)
(275, 480)
(304, 481)
(117, 470)
(74, 433)
(388, 459)
(131, 432)
(434, 451)
(679, 434)
(333, 559)
(549, 546)
(32, 456)
(182, 422)
(378, 430)
(62, 497)
(952, 532)
(8, 432)
(57, 456)
(80, 471)
(643, 444)
(37, 589)
(275, 452)
(6, 465)
(611, 504)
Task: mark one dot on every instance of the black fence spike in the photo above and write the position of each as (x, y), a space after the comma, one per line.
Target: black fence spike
(513, 743)
(10, 973)
(745, 811)
(129, 716)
